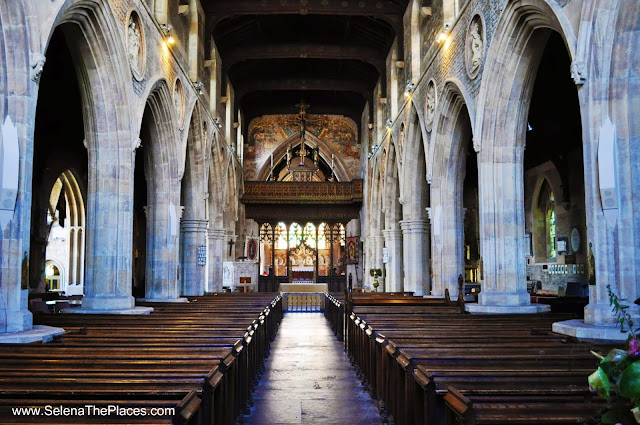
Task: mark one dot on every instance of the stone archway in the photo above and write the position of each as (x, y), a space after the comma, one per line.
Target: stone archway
(453, 139)
(415, 193)
(505, 94)
(393, 215)
(101, 65)
(193, 224)
(158, 133)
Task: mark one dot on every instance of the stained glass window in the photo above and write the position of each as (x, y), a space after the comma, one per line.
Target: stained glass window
(310, 235)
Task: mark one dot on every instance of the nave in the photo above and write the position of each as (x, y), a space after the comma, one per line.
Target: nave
(308, 379)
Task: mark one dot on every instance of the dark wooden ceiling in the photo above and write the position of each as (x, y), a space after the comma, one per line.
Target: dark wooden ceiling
(329, 53)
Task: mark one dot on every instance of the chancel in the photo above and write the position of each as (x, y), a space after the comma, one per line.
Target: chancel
(319, 211)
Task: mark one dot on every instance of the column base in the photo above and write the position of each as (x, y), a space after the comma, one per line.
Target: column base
(507, 309)
(162, 300)
(107, 303)
(585, 332)
(17, 321)
(131, 311)
(37, 333)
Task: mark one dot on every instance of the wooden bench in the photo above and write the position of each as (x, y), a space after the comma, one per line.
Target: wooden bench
(200, 359)
(429, 365)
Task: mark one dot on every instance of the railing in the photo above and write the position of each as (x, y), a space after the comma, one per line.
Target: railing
(304, 301)
(302, 192)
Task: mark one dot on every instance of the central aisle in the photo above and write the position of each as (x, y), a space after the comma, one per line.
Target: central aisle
(309, 379)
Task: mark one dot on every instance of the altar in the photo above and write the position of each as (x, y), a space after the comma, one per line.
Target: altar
(240, 276)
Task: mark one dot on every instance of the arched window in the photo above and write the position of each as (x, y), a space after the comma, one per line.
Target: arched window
(544, 225)
(551, 227)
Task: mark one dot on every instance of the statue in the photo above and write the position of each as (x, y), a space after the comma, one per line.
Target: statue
(431, 104)
(37, 65)
(316, 156)
(578, 72)
(591, 265)
(24, 284)
(476, 47)
(135, 43)
(288, 155)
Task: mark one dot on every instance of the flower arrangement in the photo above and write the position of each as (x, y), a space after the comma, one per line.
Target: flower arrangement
(375, 273)
(618, 375)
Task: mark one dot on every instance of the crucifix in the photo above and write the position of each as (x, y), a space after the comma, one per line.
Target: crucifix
(230, 247)
(302, 117)
(303, 172)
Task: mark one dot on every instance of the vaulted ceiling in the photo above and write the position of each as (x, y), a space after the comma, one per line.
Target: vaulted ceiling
(330, 53)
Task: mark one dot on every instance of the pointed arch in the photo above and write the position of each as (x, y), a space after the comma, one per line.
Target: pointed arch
(194, 167)
(453, 134)
(510, 68)
(97, 47)
(162, 154)
(414, 189)
(326, 153)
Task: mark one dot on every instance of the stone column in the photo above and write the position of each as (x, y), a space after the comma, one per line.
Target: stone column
(501, 193)
(393, 242)
(415, 237)
(193, 275)
(162, 271)
(109, 233)
(216, 255)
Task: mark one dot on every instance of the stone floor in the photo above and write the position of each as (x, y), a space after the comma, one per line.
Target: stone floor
(308, 379)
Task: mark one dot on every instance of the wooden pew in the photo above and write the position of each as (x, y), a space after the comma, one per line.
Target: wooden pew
(198, 358)
(429, 365)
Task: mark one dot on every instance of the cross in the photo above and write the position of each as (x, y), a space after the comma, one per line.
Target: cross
(230, 246)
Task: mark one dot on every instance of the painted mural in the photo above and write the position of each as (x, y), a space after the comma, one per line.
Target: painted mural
(266, 133)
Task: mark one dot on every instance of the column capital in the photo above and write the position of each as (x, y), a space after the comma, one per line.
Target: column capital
(414, 226)
(392, 234)
(191, 225)
(216, 234)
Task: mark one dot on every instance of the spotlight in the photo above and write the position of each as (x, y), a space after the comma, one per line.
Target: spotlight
(389, 124)
(409, 89)
(442, 37)
(529, 127)
(166, 29)
(375, 148)
(369, 155)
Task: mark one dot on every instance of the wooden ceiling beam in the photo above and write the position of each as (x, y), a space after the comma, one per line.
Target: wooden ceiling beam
(299, 84)
(309, 7)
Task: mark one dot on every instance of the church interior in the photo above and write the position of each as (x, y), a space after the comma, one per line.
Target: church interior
(319, 211)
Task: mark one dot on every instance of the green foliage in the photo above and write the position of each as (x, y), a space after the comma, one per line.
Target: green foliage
(618, 376)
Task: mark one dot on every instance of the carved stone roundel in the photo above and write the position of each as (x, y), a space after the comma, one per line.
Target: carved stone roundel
(178, 102)
(430, 105)
(474, 47)
(135, 45)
